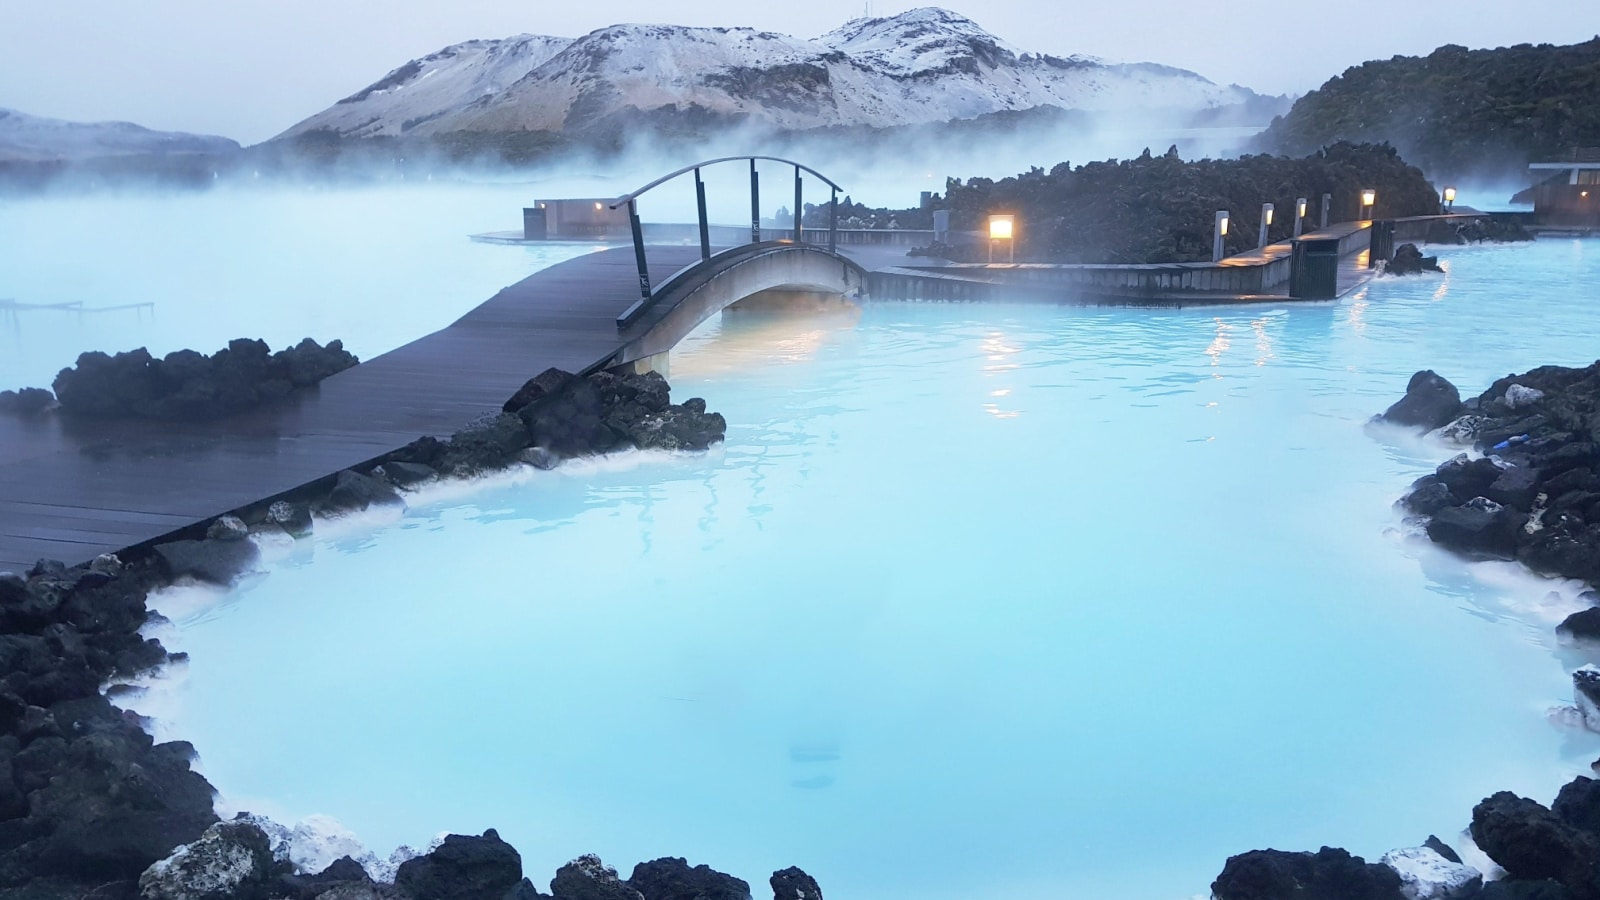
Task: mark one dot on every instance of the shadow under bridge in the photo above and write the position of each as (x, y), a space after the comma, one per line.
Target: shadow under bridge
(783, 265)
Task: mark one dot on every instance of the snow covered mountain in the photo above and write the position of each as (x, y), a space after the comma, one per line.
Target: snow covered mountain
(926, 65)
(25, 138)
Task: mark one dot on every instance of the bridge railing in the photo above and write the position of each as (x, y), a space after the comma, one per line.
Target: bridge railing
(631, 201)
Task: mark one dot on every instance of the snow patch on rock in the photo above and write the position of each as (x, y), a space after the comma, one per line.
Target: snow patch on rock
(1425, 875)
(317, 841)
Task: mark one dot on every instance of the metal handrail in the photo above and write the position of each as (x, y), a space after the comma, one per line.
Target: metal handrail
(632, 202)
(626, 198)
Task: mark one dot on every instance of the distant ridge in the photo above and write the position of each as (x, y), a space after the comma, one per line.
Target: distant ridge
(1457, 112)
(26, 138)
(924, 66)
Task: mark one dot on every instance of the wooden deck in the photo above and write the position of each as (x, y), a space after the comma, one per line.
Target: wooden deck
(71, 490)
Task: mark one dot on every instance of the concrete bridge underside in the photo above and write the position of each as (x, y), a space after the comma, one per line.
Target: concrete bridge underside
(762, 275)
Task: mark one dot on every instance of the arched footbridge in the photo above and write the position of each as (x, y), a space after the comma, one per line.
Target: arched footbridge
(72, 493)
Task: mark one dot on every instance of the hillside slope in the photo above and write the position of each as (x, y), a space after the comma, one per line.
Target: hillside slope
(1457, 112)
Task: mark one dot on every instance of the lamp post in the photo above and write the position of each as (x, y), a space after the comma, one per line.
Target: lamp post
(1266, 222)
(1218, 232)
(1327, 204)
(1299, 216)
(1449, 199)
(1002, 228)
(1369, 203)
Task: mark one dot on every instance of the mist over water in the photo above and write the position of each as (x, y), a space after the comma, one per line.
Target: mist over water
(374, 267)
(998, 600)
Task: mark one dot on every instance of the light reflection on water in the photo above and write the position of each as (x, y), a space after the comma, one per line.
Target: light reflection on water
(995, 600)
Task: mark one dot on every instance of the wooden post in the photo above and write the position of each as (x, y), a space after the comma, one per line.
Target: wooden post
(638, 248)
(705, 226)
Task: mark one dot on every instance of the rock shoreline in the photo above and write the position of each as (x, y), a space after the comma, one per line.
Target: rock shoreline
(91, 806)
(1528, 491)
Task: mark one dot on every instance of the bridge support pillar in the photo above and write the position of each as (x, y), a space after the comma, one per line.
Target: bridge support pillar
(657, 362)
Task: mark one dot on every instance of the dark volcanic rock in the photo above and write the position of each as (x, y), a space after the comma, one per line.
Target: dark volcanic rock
(1531, 842)
(191, 386)
(1515, 487)
(794, 884)
(1408, 260)
(28, 401)
(1440, 847)
(489, 443)
(545, 383)
(686, 427)
(405, 474)
(1583, 625)
(216, 562)
(230, 861)
(1523, 890)
(1578, 804)
(1481, 527)
(295, 518)
(462, 868)
(570, 422)
(227, 528)
(1429, 496)
(1467, 478)
(353, 491)
(1328, 874)
(587, 878)
(539, 457)
(671, 878)
(1565, 548)
(1430, 402)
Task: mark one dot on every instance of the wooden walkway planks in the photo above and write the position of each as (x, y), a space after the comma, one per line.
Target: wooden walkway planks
(71, 491)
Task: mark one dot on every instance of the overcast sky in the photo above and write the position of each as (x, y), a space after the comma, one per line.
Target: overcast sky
(249, 69)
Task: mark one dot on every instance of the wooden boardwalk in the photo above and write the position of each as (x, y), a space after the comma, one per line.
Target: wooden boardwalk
(71, 490)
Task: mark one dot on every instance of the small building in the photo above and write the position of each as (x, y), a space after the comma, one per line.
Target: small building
(1568, 192)
(575, 219)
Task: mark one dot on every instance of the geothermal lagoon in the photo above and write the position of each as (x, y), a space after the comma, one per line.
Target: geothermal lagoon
(1006, 599)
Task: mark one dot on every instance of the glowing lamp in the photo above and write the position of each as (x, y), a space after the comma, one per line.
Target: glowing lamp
(1222, 225)
(1000, 228)
(598, 206)
(1300, 209)
(1449, 195)
(1369, 197)
(1269, 215)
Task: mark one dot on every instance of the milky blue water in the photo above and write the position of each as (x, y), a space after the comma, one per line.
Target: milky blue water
(375, 268)
(977, 600)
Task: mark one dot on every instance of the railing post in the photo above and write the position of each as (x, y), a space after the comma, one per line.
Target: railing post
(755, 203)
(833, 221)
(705, 226)
(797, 201)
(638, 248)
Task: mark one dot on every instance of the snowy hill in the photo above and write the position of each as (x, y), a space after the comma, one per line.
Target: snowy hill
(25, 138)
(926, 65)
